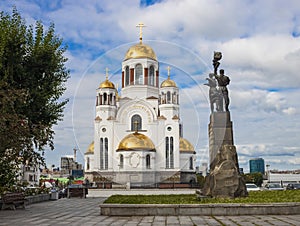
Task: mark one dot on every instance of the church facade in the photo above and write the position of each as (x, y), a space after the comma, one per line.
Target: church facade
(137, 132)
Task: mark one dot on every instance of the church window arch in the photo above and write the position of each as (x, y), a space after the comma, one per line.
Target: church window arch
(105, 99)
(110, 101)
(151, 76)
(103, 153)
(168, 97)
(167, 153)
(171, 153)
(88, 163)
(136, 122)
(148, 163)
(191, 163)
(138, 74)
(169, 141)
(106, 153)
(127, 76)
(163, 98)
(121, 162)
(174, 98)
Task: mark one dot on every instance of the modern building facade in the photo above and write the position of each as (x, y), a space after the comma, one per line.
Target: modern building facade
(257, 165)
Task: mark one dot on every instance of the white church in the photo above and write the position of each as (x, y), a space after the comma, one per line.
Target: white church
(137, 132)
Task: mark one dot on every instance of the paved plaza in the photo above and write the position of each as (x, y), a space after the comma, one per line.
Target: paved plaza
(77, 211)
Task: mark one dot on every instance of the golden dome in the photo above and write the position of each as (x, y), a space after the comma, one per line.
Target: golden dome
(107, 84)
(90, 149)
(168, 83)
(136, 141)
(140, 51)
(185, 145)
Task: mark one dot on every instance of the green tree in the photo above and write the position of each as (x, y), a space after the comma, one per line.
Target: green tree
(32, 82)
(256, 178)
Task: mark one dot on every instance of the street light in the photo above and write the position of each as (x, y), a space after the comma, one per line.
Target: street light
(268, 172)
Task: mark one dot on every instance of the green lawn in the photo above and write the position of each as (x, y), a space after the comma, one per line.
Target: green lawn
(254, 197)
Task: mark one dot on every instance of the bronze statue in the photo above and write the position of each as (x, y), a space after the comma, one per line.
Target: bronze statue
(215, 96)
(223, 81)
(218, 86)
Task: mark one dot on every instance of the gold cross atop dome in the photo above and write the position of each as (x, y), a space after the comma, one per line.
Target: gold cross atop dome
(168, 82)
(169, 69)
(141, 25)
(107, 83)
(106, 73)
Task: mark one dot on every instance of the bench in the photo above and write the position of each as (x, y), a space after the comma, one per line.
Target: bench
(77, 192)
(13, 200)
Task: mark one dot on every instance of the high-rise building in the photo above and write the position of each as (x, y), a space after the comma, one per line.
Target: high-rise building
(257, 165)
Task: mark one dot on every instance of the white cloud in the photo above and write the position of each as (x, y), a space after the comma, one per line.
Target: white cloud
(261, 55)
(294, 161)
(290, 111)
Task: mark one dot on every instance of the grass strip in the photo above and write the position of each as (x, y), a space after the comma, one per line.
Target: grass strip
(254, 197)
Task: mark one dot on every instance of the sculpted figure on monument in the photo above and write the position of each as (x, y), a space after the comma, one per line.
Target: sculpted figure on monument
(215, 96)
(218, 92)
(223, 81)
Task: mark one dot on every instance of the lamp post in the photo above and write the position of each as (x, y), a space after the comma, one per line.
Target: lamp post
(268, 172)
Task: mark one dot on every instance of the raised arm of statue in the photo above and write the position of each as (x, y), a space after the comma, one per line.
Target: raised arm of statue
(216, 63)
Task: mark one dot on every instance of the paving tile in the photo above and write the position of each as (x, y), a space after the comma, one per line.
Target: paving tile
(86, 212)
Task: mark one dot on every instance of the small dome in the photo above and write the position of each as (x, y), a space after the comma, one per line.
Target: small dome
(90, 149)
(140, 51)
(107, 84)
(185, 145)
(168, 83)
(136, 141)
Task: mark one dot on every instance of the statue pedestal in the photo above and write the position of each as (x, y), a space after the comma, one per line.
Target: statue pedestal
(224, 179)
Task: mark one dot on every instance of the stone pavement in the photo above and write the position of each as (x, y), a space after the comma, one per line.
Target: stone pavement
(77, 211)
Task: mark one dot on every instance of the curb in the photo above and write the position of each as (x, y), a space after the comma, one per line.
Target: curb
(199, 209)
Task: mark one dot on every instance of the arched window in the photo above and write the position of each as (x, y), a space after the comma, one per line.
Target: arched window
(136, 123)
(106, 154)
(105, 99)
(174, 98)
(88, 163)
(127, 76)
(110, 98)
(191, 163)
(138, 74)
(148, 166)
(101, 153)
(151, 76)
(168, 97)
(121, 162)
(169, 153)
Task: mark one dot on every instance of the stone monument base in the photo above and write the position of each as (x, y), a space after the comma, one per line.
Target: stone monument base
(225, 180)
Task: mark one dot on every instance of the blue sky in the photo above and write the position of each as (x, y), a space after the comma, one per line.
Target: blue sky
(261, 54)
